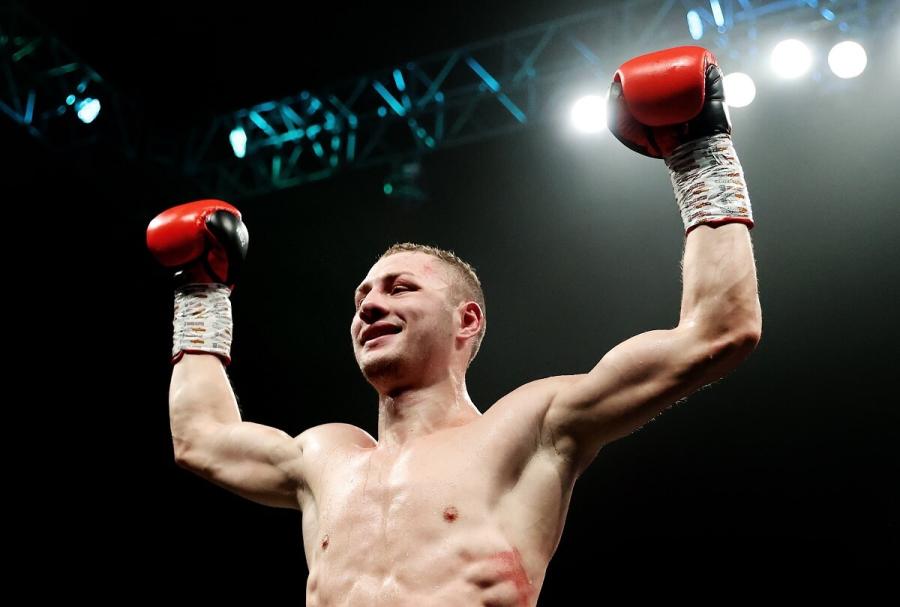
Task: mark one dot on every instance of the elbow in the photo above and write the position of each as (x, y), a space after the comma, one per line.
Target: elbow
(187, 454)
(191, 443)
(751, 329)
(727, 336)
(182, 453)
(738, 343)
(749, 333)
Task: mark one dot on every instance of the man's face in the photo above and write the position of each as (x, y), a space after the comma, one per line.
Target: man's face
(403, 326)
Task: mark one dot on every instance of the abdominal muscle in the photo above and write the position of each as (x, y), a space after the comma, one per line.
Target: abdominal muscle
(439, 524)
(496, 580)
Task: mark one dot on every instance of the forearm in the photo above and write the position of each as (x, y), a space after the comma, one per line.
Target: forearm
(200, 395)
(671, 104)
(720, 294)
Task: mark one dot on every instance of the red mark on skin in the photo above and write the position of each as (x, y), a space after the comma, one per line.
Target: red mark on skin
(324, 542)
(451, 514)
(512, 570)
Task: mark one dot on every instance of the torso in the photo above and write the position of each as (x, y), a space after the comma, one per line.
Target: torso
(467, 516)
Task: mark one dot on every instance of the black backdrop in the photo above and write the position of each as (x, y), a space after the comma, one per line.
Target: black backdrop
(790, 463)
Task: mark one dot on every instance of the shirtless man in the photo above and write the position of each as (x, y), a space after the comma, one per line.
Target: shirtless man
(449, 506)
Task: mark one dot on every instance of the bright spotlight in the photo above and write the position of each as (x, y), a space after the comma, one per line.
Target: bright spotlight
(238, 139)
(589, 114)
(717, 12)
(87, 109)
(695, 25)
(791, 59)
(847, 59)
(739, 89)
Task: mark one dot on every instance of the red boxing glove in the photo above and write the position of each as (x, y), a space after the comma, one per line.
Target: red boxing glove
(661, 100)
(205, 241)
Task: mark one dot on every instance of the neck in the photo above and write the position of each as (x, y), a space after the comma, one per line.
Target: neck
(406, 414)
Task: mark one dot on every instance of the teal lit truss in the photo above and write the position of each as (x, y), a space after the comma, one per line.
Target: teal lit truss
(482, 90)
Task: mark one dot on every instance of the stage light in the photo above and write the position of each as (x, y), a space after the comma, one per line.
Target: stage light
(739, 89)
(589, 114)
(695, 25)
(238, 139)
(87, 109)
(847, 59)
(718, 17)
(791, 59)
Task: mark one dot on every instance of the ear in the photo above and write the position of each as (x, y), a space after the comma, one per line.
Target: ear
(471, 319)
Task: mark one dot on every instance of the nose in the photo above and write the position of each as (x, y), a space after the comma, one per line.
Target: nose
(371, 310)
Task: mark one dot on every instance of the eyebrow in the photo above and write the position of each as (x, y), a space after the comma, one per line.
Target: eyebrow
(364, 287)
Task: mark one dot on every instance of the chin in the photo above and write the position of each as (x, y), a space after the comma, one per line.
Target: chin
(375, 367)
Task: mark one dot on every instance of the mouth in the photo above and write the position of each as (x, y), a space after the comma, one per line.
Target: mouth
(378, 331)
(377, 340)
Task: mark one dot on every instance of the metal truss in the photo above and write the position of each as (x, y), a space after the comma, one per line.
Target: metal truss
(482, 90)
(43, 84)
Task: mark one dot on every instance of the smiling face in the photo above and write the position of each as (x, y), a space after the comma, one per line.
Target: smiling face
(403, 329)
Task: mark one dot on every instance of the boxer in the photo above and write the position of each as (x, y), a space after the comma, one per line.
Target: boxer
(448, 506)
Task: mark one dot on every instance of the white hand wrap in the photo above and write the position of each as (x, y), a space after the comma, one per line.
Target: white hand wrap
(202, 321)
(709, 183)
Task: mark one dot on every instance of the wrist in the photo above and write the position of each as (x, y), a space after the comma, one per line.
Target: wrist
(202, 321)
(709, 183)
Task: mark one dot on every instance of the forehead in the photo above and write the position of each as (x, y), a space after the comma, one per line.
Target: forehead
(420, 265)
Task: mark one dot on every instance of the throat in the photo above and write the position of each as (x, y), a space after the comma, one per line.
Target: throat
(398, 425)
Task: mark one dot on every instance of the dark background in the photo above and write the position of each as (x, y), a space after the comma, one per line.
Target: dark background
(788, 464)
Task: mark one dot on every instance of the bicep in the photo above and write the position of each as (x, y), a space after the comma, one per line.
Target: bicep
(630, 385)
(260, 463)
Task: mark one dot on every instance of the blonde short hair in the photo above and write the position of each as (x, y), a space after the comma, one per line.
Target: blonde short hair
(467, 287)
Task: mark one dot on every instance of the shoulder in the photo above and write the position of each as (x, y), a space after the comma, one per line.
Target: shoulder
(521, 413)
(326, 437)
(535, 394)
(513, 427)
(322, 453)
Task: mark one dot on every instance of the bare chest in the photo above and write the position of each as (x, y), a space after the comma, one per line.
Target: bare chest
(388, 510)
(430, 525)
(467, 517)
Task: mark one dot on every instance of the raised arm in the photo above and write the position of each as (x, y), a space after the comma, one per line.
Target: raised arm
(720, 322)
(205, 242)
(258, 462)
